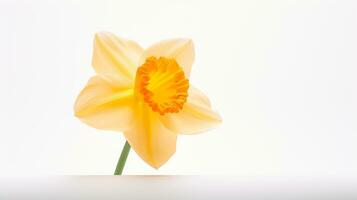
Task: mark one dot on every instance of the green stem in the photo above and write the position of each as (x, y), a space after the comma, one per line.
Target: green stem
(122, 159)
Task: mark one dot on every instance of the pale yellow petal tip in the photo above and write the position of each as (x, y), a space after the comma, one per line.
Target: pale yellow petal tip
(105, 35)
(218, 121)
(186, 41)
(79, 110)
(102, 34)
(98, 37)
(156, 163)
(214, 124)
(76, 111)
(181, 42)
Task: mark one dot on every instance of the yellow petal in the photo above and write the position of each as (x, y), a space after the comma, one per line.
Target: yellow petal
(105, 106)
(115, 57)
(152, 141)
(182, 50)
(196, 115)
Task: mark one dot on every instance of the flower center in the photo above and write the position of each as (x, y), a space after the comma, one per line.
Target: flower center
(162, 84)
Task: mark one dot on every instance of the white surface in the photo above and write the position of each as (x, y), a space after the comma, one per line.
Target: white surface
(281, 73)
(176, 187)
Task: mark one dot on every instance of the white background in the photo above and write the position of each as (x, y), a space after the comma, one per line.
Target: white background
(282, 74)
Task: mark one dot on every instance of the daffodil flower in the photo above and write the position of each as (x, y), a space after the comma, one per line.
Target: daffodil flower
(145, 94)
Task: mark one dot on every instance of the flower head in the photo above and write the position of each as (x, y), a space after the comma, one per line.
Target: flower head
(145, 94)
